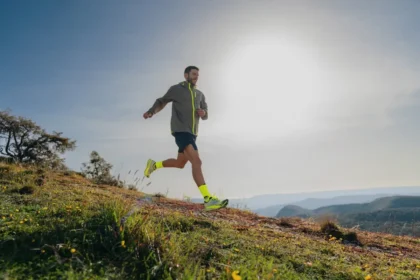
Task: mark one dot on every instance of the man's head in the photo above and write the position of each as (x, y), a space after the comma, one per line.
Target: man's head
(191, 74)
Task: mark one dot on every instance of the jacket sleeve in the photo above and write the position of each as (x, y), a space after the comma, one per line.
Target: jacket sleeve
(203, 105)
(161, 102)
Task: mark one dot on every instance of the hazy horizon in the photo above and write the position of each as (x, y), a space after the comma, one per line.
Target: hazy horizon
(328, 194)
(302, 97)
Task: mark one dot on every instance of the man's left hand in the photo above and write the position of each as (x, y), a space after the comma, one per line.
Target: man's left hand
(201, 112)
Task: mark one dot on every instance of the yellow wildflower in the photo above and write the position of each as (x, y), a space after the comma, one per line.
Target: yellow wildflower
(17, 210)
(237, 250)
(368, 277)
(123, 243)
(235, 275)
(274, 270)
(21, 222)
(391, 270)
(73, 250)
(45, 208)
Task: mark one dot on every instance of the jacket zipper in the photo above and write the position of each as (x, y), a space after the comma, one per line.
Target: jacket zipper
(193, 109)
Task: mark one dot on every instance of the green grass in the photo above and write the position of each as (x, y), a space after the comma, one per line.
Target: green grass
(69, 228)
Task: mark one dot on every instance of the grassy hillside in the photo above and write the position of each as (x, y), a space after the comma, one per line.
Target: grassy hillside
(60, 225)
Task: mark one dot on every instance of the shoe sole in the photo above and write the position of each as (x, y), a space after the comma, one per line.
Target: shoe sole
(222, 205)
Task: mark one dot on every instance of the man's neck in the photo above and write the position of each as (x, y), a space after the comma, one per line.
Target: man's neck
(193, 85)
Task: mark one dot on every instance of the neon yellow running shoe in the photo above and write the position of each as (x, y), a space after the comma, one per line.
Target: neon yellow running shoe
(213, 203)
(150, 167)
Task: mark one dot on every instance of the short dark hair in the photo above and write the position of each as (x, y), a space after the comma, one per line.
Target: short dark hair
(189, 68)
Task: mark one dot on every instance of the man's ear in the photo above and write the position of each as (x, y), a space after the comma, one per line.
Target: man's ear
(185, 75)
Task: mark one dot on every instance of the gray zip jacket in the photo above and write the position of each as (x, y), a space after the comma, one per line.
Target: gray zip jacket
(186, 99)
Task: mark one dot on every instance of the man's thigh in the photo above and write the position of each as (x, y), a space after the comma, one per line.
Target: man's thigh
(191, 153)
(183, 140)
(182, 158)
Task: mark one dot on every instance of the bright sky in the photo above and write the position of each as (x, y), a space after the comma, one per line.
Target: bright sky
(301, 96)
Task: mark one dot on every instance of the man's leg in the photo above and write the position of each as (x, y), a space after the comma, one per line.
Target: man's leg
(179, 162)
(193, 157)
(210, 202)
(151, 165)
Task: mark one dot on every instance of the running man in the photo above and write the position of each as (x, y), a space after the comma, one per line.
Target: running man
(188, 106)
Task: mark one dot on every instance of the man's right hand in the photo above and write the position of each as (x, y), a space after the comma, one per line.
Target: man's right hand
(147, 115)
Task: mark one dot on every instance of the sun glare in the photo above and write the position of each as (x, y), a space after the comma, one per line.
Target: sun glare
(272, 87)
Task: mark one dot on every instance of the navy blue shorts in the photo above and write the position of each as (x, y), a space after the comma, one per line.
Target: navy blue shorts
(183, 139)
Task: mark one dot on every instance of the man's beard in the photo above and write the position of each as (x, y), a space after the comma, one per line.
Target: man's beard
(190, 80)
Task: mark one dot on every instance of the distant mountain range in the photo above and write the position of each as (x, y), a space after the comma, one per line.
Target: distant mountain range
(395, 214)
(392, 202)
(313, 203)
(267, 200)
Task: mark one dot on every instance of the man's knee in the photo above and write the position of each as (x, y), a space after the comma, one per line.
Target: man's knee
(181, 160)
(192, 155)
(196, 161)
(181, 164)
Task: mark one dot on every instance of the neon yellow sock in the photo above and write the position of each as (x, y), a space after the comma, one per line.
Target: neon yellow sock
(159, 164)
(204, 191)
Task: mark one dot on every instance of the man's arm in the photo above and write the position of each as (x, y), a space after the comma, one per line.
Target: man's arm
(161, 102)
(203, 105)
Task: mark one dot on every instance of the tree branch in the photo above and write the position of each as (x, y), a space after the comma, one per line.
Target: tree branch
(23, 137)
(8, 145)
(34, 143)
(17, 145)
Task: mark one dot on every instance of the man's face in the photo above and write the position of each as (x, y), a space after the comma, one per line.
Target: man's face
(192, 77)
